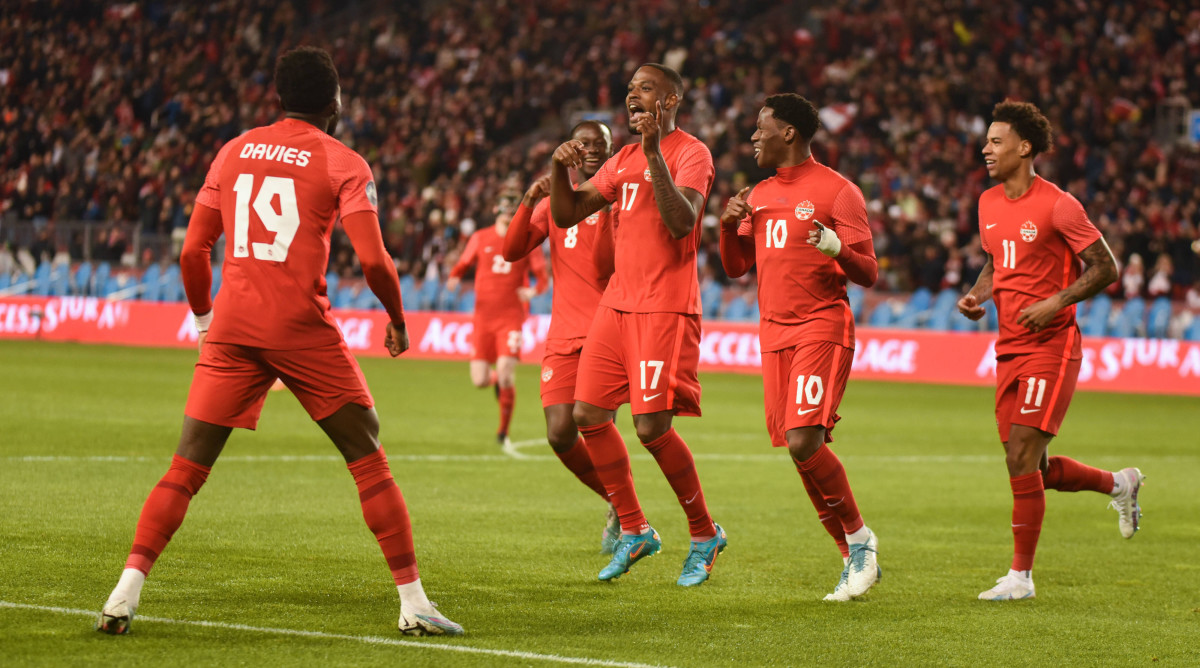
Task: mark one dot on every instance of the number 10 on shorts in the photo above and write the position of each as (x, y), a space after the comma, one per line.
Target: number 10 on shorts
(810, 388)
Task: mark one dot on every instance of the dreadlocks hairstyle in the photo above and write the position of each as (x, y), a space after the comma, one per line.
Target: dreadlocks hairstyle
(797, 111)
(1028, 122)
(306, 80)
(672, 76)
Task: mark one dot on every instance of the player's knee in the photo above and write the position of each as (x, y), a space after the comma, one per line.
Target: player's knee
(804, 443)
(587, 415)
(649, 431)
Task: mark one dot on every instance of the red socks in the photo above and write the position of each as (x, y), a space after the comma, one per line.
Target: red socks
(1067, 475)
(1029, 507)
(508, 399)
(387, 516)
(578, 462)
(675, 460)
(608, 454)
(831, 523)
(828, 478)
(164, 510)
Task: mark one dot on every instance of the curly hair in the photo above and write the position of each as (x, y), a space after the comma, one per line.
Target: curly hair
(306, 80)
(1028, 122)
(797, 111)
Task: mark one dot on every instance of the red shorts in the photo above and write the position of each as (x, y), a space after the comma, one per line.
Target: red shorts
(647, 360)
(803, 387)
(231, 382)
(1033, 391)
(496, 338)
(560, 367)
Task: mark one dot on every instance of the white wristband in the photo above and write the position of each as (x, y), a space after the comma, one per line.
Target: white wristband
(203, 321)
(829, 244)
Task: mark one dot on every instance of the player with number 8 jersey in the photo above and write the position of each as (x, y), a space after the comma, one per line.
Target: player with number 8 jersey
(807, 327)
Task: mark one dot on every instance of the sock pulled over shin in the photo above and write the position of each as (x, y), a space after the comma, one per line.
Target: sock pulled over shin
(164, 510)
(386, 515)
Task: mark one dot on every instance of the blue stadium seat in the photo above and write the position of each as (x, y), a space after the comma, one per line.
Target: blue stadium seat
(960, 323)
(5, 280)
(466, 301)
(541, 304)
(152, 283)
(100, 280)
(60, 281)
(1081, 311)
(81, 282)
(882, 315)
(711, 294)
(856, 295)
(944, 308)
(1096, 323)
(41, 277)
(344, 298)
(920, 299)
(427, 294)
(366, 300)
(218, 273)
(1128, 322)
(446, 299)
(172, 285)
(408, 291)
(1193, 332)
(737, 309)
(1159, 318)
(331, 283)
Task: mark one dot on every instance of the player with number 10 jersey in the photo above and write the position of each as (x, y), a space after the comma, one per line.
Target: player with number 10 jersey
(807, 327)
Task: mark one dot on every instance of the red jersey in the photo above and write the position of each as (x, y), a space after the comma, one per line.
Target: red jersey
(577, 285)
(497, 279)
(279, 189)
(654, 272)
(801, 291)
(1033, 241)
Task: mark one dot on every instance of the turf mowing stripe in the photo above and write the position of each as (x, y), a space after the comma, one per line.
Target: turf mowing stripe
(372, 640)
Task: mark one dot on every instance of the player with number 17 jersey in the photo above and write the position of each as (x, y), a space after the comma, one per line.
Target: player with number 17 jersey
(296, 180)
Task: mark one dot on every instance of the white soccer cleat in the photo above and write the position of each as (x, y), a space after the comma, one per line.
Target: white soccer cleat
(431, 623)
(840, 593)
(1012, 587)
(1129, 513)
(862, 571)
(115, 618)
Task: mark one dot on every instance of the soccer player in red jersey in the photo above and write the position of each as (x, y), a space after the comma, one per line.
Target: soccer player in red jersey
(275, 192)
(643, 347)
(502, 295)
(578, 284)
(807, 327)
(1037, 231)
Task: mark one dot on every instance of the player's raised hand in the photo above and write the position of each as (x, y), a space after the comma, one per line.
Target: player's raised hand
(525, 294)
(649, 126)
(396, 339)
(825, 239)
(737, 209)
(538, 190)
(570, 153)
(969, 306)
(1036, 316)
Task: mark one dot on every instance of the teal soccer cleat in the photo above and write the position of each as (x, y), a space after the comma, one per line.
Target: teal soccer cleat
(701, 558)
(630, 550)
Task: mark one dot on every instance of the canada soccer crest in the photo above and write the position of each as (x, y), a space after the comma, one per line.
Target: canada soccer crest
(592, 219)
(647, 174)
(1028, 231)
(547, 374)
(805, 210)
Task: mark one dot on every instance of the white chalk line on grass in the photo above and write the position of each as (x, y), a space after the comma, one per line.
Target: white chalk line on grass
(370, 640)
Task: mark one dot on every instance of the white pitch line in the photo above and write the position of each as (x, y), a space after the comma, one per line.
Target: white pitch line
(371, 640)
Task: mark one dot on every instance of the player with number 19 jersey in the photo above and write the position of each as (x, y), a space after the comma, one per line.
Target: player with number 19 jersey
(290, 182)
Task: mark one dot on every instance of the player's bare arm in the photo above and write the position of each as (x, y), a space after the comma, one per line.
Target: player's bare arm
(1100, 272)
(679, 207)
(971, 304)
(569, 205)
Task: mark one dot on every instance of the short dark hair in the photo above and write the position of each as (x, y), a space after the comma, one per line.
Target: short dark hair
(1028, 122)
(672, 76)
(797, 111)
(306, 80)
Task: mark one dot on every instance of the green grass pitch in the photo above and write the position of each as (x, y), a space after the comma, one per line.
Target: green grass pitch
(274, 565)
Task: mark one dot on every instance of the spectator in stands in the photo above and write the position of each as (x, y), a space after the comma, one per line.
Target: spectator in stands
(1133, 279)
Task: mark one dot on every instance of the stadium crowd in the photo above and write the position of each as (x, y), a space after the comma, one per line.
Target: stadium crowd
(112, 113)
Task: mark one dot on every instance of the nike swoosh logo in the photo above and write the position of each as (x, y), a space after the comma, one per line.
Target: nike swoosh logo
(640, 548)
(759, 208)
(622, 169)
(988, 227)
(1025, 412)
(689, 501)
(651, 397)
(806, 411)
